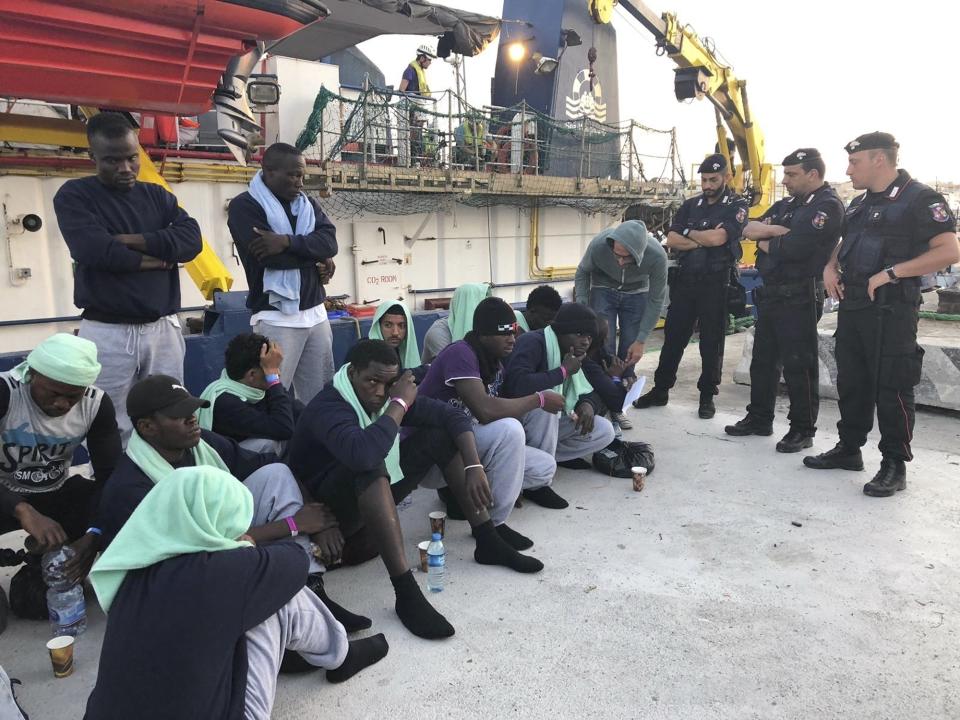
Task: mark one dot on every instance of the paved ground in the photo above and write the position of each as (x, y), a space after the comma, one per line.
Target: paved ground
(697, 598)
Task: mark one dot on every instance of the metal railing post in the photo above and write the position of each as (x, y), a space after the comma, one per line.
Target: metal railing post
(630, 159)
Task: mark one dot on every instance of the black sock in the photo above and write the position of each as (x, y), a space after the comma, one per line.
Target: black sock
(493, 550)
(416, 612)
(360, 654)
(513, 538)
(546, 497)
(575, 464)
(294, 664)
(351, 621)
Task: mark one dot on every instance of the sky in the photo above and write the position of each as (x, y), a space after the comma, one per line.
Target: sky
(818, 74)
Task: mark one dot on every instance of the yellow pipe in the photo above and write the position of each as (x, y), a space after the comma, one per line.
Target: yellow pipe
(561, 272)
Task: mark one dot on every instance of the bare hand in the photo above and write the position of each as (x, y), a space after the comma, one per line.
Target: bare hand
(247, 538)
(478, 487)
(404, 388)
(763, 246)
(271, 357)
(326, 268)
(627, 382)
(329, 544)
(877, 281)
(47, 532)
(552, 401)
(634, 353)
(268, 243)
(78, 567)
(148, 262)
(314, 518)
(585, 418)
(134, 242)
(571, 362)
(831, 281)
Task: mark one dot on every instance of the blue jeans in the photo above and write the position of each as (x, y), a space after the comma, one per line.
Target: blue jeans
(628, 307)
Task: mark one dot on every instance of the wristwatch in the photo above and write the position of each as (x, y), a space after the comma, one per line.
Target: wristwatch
(891, 274)
(686, 232)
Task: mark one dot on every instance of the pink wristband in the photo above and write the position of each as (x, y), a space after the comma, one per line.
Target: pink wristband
(401, 402)
(542, 401)
(293, 526)
(563, 371)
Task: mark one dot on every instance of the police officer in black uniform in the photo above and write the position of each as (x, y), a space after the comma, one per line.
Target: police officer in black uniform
(794, 238)
(706, 234)
(896, 232)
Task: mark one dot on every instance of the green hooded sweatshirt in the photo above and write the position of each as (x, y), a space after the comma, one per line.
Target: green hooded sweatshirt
(599, 269)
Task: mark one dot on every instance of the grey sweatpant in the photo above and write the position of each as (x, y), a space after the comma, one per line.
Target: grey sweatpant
(129, 353)
(509, 463)
(305, 625)
(555, 433)
(307, 356)
(276, 496)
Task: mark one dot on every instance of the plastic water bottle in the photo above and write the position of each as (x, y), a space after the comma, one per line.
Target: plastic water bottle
(65, 603)
(436, 564)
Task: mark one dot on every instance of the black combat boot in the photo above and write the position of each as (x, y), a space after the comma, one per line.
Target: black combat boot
(656, 396)
(891, 478)
(749, 426)
(795, 441)
(707, 409)
(841, 456)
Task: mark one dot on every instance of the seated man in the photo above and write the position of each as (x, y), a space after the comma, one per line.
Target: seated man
(453, 327)
(48, 406)
(248, 403)
(348, 452)
(610, 377)
(166, 436)
(542, 305)
(538, 363)
(468, 375)
(393, 324)
(474, 146)
(199, 616)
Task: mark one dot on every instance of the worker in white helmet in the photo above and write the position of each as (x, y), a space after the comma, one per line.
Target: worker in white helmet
(414, 81)
(415, 75)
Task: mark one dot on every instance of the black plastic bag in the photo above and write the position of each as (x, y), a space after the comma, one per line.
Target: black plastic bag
(28, 593)
(618, 457)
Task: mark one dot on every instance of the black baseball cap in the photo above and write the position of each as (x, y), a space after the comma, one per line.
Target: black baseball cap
(162, 394)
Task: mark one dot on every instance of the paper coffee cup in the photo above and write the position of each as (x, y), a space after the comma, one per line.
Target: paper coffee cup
(61, 655)
(639, 476)
(437, 522)
(423, 554)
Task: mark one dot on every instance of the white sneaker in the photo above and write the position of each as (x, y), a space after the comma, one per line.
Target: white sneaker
(622, 420)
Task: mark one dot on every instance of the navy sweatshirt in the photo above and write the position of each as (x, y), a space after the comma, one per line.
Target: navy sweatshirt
(175, 643)
(305, 251)
(525, 371)
(129, 485)
(108, 283)
(272, 418)
(329, 437)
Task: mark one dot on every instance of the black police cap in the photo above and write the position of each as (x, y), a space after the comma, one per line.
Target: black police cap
(713, 164)
(802, 155)
(872, 141)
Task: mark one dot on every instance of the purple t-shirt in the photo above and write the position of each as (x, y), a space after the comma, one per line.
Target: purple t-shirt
(457, 361)
(413, 82)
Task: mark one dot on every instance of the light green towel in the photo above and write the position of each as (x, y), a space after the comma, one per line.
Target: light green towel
(62, 357)
(409, 352)
(157, 469)
(575, 385)
(224, 384)
(464, 303)
(195, 509)
(522, 321)
(342, 384)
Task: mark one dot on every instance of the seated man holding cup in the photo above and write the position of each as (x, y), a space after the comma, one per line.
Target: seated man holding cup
(468, 375)
(199, 616)
(167, 436)
(347, 449)
(551, 359)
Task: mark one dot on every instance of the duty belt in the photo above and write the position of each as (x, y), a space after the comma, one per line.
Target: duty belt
(787, 290)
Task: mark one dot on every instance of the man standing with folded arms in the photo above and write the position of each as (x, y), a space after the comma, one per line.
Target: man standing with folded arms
(126, 238)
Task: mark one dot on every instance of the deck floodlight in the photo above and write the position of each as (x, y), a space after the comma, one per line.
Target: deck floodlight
(516, 51)
(545, 65)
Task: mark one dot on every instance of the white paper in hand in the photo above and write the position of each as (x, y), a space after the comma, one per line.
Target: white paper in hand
(634, 392)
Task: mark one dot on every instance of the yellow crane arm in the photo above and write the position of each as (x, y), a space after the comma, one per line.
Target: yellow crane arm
(700, 74)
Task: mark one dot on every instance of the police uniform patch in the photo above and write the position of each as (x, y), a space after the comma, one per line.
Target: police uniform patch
(819, 220)
(939, 212)
(741, 215)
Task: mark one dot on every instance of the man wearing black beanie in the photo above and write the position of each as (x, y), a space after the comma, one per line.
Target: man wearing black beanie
(468, 375)
(705, 233)
(550, 359)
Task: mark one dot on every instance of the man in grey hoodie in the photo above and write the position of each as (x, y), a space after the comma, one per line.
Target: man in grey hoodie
(623, 275)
